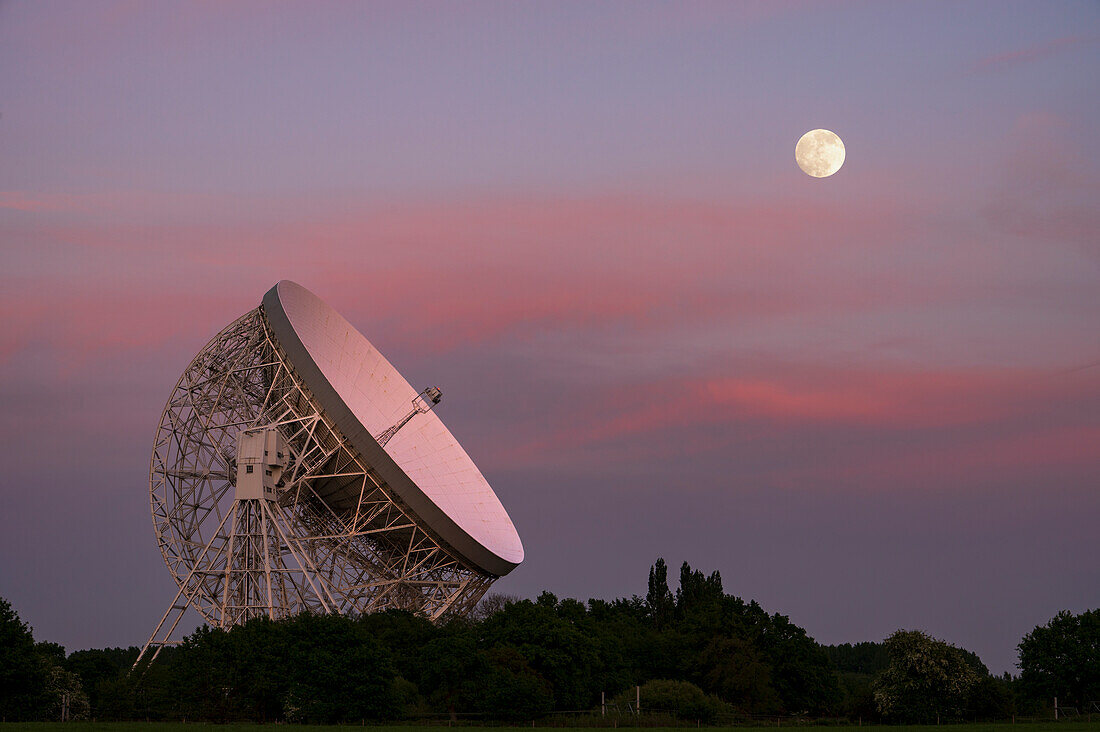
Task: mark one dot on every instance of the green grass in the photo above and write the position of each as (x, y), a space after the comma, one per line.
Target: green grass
(1050, 726)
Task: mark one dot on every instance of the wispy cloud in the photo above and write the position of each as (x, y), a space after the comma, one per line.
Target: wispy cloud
(435, 275)
(1048, 190)
(21, 201)
(1030, 54)
(952, 409)
(450, 272)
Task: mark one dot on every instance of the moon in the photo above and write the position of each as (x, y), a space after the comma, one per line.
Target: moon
(819, 153)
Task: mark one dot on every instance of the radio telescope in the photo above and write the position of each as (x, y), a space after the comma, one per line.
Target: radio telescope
(294, 469)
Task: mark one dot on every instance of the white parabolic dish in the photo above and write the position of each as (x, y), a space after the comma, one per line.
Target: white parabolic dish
(365, 395)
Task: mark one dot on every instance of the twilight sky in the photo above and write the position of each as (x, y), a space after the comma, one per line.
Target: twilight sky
(872, 401)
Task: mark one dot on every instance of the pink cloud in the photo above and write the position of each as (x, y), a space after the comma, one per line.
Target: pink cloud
(22, 201)
(72, 323)
(791, 398)
(437, 276)
(1030, 54)
(1048, 190)
(130, 276)
(1061, 447)
(882, 399)
(459, 272)
(614, 229)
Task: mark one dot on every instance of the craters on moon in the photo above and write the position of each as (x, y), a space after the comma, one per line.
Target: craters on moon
(819, 153)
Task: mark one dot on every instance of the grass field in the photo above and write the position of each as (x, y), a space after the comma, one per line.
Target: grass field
(1067, 726)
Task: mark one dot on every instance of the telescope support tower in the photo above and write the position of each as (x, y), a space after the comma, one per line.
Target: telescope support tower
(308, 527)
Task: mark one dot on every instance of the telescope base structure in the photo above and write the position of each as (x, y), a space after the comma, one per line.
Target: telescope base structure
(331, 537)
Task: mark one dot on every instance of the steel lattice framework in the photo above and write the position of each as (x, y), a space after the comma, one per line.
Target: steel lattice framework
(334, 538)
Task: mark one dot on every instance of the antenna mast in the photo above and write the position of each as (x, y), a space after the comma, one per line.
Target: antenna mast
(422, 404)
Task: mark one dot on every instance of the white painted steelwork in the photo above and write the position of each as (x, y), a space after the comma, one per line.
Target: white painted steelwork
(423, 462)
(336, 523)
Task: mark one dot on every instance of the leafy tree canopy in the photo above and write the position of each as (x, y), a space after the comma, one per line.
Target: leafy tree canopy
(1062, 658)
(704, 650)
(22, 675)
(927, 679)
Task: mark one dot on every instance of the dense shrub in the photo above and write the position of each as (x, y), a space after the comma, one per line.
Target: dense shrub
(681, 699)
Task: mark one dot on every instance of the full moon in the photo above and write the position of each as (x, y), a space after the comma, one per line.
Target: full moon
(819, 153)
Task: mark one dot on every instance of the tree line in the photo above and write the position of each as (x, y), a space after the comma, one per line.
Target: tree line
(697, 654)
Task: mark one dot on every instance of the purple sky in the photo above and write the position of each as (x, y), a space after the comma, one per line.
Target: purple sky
(872, 401)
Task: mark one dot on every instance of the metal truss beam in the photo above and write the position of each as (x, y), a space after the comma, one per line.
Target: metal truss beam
(335, 539)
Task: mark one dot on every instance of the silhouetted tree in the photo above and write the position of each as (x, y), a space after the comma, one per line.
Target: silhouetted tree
(927, 679)
(1062, 658)
(801, 672)
(866, 657)
(337, 672)
(558, 649)
(517, 660)
(450, 665)
(734, 670)
(992, 698)
(491, 604)
(511, 690)
(697, 590)
(23, 672)
(104, 674)
(658, 599)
